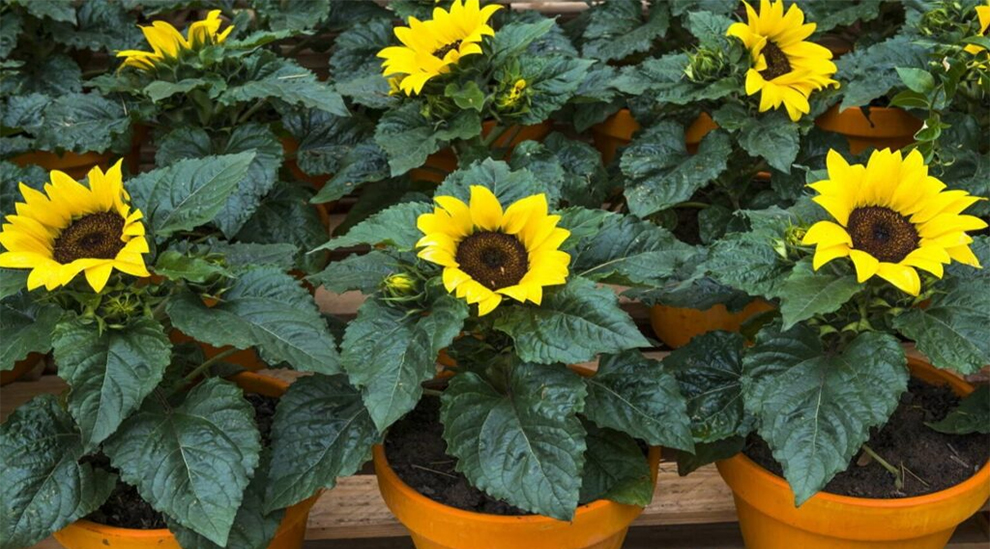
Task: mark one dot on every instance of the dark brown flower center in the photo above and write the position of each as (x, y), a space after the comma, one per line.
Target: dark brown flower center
(882, 233)
(496, 260)
(441, 52)
(94, 236)
(777, 63)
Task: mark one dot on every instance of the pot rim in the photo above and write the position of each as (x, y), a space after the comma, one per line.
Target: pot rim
(979, 478)
(407, 491)
(245, 378)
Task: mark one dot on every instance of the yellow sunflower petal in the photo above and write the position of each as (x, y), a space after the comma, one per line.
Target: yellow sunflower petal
(826, 233)
(866, 265)
(825, 254)
(963, 254)
(488, 304)
(901, 276)
(486, 212)
(97, 276)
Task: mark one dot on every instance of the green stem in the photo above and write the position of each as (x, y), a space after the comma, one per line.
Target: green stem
(496, 132)
(250, 112)
(432, 392)
(512, 137)
(898, 479)
(698, 205)
(206, 364)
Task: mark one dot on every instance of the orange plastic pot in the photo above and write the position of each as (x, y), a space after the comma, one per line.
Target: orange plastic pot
(85, 534)
(891, 128)
(618, 130)
(441, 163)
(769, 520)
(20, 368)
(600, 524)
(677, 326)
(78, 165)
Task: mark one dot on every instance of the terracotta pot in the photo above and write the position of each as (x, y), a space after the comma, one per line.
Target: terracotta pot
(78, 165)
(20, 368)
(443, 162)
(245, 358)
(676, 326)
(769, 520)
(600, 524)
(85, 534)
(891, 128)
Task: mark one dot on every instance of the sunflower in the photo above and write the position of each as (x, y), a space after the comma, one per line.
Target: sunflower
(488, 253)
(168, 43)
(892, 217)
(75, 229)
(983, 13)
(786, 68)
(430, 47)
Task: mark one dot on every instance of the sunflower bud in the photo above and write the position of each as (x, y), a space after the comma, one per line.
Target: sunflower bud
(511, 97)
(705, 65)
(400, 285)
(393, 85)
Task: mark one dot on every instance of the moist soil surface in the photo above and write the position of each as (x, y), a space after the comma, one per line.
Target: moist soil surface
(932, 461)
(125, 508)
(417, 453)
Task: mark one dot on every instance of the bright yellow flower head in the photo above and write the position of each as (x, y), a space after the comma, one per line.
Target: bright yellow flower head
(73, 229)
(983, 13)
(786, 68)
(168, 43)
(892, 218)
(488, 253)
(430, 47)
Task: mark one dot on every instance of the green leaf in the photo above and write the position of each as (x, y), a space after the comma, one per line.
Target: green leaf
(324, 140)
(189, 193)
(388, 353)
(806, 293)
(357, 272)
(175, 265)
(575, 322)
(27, 327)
(282, 79)
(26, 111)
(917, 80)
(56, 10)
(321, 431)
(286, 215)
(626, 250)
(617, 30)
(101, 25)
(10, 31)
(495, 175)
(871, 72)
(267, 309)
(660, 171)
(552, 81)
(395, 226)
(816, 408)
(83, 122)
(706, 453)
(514, 38)
(773, 137)
(191, 461)
(709, 371)
(162, 89)
(525, 446)
(261, 176)
(638, 396)
(971, 416)
(571, 169)
(747, 262)
(614, 469)
(109, 373)
(468, 97)
(44, 487)
(12, 282)
(408, 137)
(355, 49)
(709, 28)
(952, 330)
(306, 15)
(828, 14)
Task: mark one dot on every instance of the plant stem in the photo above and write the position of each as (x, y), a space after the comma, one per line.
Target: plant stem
(432, 392)
(207, 363)
(698, 205)
(496, 132)
(898, 478)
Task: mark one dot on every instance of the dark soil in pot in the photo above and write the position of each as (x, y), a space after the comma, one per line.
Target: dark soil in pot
(935, 461)
(417, 453)
(125, 508)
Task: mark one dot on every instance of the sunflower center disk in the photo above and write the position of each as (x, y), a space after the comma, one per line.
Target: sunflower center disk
(95, 236)
(882, 233)
(777, 62)
(439, 53)
(495, 260)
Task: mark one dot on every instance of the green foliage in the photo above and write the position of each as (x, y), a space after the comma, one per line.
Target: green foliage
(286, 216)
(110, 372)
(615, 30)
(321, 431)
(572, 169)
(357, 272)
(507, 185)
(395, 226)
(523, 444)
(574, 323)
(806, 293)
(44, 487)
(614, 469)
(971, 416)
(408, 137)
(389, 352)
(192, 460)
(871, 72)
(552, 80)
(269, 77)
(816, 408)
(27, 327)
(267, 309)
(83, 122)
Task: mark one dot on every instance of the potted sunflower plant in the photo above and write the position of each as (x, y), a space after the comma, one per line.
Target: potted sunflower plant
(219, 89)
(826, 429)
(514, 443)
(727, 126)
(48, 120)
(152, 442)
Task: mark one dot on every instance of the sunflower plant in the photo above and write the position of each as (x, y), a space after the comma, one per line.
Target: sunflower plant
(492, 272)
(113, 278)
(880, 253)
